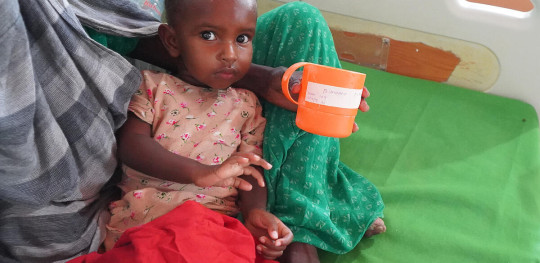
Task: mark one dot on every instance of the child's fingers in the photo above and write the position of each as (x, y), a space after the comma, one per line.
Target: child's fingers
(242, 184)
(254, 159)
(285, 234)
(285, 240)
(240, 159)
(250, 170)
(258, 160)
(269, 248)
(240, 164)
(269, 253)
(232, 167)
(272, 228)
(263, 163)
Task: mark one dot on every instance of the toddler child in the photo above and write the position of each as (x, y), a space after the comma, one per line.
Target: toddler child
(193, 136)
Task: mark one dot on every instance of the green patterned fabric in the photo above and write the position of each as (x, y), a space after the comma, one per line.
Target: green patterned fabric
(325, 203)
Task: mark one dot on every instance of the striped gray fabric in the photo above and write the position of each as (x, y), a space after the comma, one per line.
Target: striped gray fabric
(118, 17)
(62, 97)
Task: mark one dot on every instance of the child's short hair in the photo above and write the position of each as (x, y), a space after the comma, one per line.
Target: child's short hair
(171, 7)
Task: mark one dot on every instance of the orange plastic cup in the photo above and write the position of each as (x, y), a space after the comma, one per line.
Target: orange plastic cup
(328, 100)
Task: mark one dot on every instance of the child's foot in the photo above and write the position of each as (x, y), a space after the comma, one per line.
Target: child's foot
(376, 227)
(298, 253)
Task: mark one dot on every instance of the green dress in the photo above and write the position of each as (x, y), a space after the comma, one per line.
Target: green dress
(324, 202)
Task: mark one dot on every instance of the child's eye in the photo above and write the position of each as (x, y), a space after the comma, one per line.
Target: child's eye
(242, 39)
(207, 35)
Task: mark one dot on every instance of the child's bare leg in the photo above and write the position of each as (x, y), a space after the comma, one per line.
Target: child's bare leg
(376, 227)
(298, 252)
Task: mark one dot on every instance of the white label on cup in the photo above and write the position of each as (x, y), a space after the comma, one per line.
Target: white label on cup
(333, 96)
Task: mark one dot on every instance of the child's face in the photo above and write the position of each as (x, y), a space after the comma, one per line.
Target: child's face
(214, 39)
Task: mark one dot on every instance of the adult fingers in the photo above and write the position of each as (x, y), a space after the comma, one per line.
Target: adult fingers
(363, 106)
(294, 82)
(365, 92)
(295, 88)
(355, 127)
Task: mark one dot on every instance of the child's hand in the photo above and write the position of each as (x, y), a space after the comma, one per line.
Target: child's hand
(236, 165)
(273, 235)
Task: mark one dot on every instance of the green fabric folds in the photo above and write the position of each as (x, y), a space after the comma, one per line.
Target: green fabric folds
(325, 203)
(122, 45)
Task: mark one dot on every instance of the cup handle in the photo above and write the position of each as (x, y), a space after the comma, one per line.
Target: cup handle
(285, 80)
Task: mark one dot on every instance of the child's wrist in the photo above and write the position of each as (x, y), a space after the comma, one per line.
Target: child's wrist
(198, 178)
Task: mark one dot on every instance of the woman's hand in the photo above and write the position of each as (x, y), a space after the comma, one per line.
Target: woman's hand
(227, 173)
(266, 83)
(273, 236)
(294, 87)
(363, 106)
(275, 94)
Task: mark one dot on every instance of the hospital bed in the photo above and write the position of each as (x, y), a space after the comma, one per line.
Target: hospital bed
(452, 136)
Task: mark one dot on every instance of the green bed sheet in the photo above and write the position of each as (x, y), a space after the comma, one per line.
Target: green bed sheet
(459, 172)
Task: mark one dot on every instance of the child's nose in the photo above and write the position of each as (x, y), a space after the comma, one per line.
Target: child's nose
(229, 52)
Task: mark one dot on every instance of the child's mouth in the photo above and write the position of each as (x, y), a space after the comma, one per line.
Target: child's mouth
(226, 73)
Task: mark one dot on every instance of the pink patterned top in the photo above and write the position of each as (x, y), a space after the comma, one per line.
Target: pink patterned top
(207, 125)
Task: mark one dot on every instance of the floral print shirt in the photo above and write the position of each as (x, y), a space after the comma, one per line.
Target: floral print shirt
(200, 123)
(207, 125)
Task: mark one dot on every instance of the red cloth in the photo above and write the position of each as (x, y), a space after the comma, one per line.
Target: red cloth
(190, 233)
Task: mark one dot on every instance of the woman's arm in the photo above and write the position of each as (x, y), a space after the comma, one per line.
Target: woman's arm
(266, 83)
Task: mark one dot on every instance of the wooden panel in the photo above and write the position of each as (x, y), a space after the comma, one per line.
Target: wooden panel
(421, 61)
(363, 49)
(405, 58)
(368, 43)
(519, 5)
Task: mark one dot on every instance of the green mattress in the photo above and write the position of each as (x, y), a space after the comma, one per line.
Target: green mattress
(459, 172)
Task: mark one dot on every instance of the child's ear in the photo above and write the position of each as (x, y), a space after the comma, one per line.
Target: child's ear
(168, 38)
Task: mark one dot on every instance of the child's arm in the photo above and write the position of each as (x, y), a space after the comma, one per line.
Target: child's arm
(270, 232)
(138, 150)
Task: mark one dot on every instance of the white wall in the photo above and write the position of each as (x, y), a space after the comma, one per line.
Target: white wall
(515, 41)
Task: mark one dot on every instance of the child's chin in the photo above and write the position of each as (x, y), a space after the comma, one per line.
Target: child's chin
(223, 85)
(219, 87)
